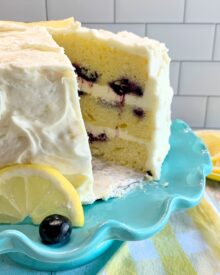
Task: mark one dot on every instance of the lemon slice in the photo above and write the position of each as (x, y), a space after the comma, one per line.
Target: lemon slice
(37, 191)
(212, 140)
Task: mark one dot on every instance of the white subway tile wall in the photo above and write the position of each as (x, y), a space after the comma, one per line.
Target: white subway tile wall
(200, 78)
(189, 28)
(217, 44)
(191, 109)
(23, 10)
(213, 113)
(203, 11)
(149, 11)
(84, 10)
(184, 40)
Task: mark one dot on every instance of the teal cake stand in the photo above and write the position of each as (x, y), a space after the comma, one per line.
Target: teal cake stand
(139, 215)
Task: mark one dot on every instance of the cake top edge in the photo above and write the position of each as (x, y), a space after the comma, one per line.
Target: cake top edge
(127, 40)
(30, 47)
(12, 38)
(32, 58)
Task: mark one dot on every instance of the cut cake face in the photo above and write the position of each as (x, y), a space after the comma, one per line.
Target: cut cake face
(40, 117)
(125, 93)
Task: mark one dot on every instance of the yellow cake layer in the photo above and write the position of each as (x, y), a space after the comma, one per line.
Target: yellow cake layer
(124, 152)
(97, 113)
(110, 63)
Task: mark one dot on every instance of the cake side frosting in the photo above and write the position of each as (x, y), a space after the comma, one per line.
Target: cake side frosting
(40, 117)
(16, 39)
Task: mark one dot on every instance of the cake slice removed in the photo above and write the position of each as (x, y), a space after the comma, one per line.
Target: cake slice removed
(40, 117)
(125, 93)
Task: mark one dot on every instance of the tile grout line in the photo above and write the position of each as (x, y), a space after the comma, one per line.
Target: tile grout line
(114, 11)
(146, 29)
(197, 61)
(206, 128)
(184, 12)
(110, 23)
(214, 42)
(46, 10)
(206, 111)
(179, 79)
(197, 95)
(151, 23)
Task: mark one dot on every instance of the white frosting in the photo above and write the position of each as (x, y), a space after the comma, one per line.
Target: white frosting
(160, 145)
(38, 39)
(40, 117)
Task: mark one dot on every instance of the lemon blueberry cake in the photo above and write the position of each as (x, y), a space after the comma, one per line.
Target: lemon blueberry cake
(124, 88)
(125, 93)
(40, 117)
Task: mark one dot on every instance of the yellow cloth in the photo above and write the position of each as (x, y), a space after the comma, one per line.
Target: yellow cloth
(212, 141)
(188, 244)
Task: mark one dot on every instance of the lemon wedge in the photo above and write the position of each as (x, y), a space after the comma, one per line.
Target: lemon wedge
(37, 191)
(212, 140)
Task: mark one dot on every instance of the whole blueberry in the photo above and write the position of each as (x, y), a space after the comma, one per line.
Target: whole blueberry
(86, 74)
(139, 112)
(101, 137)
(55, 229)
(124, 86)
